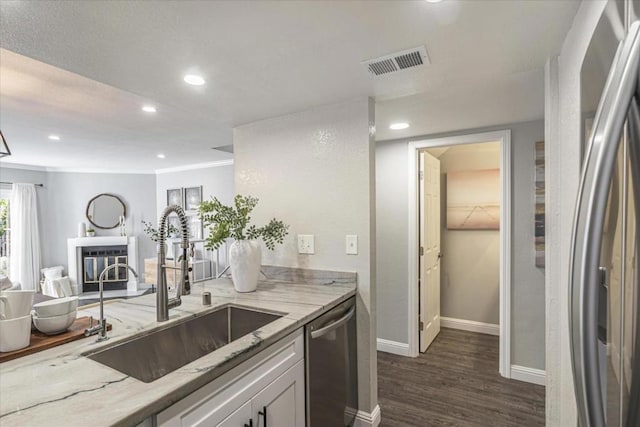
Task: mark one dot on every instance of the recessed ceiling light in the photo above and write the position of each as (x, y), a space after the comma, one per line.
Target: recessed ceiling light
(399, 126)
(194, 79)
(434, 1)
(54, 137)
(148, 108)
(161, 156)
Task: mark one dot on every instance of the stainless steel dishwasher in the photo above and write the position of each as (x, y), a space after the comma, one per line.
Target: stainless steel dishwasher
(332, 367)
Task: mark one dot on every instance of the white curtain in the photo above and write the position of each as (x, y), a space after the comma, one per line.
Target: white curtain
(25, 236)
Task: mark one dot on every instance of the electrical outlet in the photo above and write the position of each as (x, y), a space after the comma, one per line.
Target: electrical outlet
(352, 244)
(306, 244)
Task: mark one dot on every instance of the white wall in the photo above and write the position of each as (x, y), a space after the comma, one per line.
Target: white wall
(315, 171)
(215, 180)
(562, 133)
(470, 282)
(528, 316)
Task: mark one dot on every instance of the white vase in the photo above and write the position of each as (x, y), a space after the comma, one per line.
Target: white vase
(82, 229)
(245, 257)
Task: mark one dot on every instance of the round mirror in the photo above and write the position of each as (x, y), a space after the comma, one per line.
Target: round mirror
(104, 211)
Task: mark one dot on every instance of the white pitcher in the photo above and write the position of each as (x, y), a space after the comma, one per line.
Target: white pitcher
(14, 304)
(15, 333)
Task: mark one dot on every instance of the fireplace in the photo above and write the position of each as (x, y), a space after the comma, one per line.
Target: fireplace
(95, 259)
(88, 257)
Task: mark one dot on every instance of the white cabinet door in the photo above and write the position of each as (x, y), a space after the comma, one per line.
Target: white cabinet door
(282, 401)
(239, 418)
(226, 400)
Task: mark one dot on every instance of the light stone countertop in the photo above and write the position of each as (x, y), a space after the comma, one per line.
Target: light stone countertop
(61, 387)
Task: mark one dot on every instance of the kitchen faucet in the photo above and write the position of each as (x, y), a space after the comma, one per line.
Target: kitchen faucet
(101, 327)
(163, 302)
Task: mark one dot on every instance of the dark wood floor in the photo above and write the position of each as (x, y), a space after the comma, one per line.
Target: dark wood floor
(455, 383)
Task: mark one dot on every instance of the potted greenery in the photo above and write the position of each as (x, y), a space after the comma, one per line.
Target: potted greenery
(91, 232)
(154, 234)
(245, 255)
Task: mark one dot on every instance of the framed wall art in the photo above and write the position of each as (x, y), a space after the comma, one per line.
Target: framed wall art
(473, 200)
(540, 206)
(192, 198)
(174, 197)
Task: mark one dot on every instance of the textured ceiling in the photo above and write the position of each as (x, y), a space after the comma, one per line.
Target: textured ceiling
(263, 59)
(100, 127)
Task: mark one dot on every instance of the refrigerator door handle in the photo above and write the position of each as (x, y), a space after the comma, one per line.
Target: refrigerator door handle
(633, 417)
(589, 223)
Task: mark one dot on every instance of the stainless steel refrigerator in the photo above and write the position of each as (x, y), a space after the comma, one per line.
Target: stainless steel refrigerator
(604, 289)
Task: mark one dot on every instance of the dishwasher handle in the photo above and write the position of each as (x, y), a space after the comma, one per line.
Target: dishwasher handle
(335, 325)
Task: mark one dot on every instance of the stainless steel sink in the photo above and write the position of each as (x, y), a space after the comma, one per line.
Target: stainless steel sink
(152, 356)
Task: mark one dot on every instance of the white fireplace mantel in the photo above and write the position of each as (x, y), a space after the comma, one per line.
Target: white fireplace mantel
(74, 257)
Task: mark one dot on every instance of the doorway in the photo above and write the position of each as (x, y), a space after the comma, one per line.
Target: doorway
(424, 239)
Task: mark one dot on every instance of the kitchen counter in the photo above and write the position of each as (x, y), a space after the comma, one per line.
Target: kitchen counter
(62, 387)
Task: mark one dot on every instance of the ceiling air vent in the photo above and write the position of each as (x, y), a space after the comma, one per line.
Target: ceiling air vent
(410, 58)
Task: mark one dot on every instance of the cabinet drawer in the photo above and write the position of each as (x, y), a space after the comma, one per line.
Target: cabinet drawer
(216, 401)
(236, 419)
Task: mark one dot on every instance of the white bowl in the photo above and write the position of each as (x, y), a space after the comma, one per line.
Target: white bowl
(56, 324)
(56, 307)
(15, 333)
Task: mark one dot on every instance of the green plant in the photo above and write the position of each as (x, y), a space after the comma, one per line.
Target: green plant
(4, 209)
(233, 222)
(154, 234)
(90, 230)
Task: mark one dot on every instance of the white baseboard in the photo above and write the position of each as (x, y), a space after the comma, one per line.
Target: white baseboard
(470, 325)
(393, 347)
(366, 419)
(530, 375)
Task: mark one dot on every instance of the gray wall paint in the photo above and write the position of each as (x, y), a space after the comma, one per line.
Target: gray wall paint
(68, 194)
(63, 201)
(216, 181)
(392, 259)
(470, 282)
(528, 310)
(315, 171)
(527, 280)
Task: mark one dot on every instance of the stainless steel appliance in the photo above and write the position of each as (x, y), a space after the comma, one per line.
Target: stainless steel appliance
(604, 286)
(331, 359)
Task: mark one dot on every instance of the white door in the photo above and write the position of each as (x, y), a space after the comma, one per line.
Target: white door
(281, 402)
(430, 249)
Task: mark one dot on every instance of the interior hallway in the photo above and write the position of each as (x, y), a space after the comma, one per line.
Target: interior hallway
(455, 383)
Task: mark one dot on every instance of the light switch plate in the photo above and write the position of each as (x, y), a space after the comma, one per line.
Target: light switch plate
(352, 244)
(306, 244)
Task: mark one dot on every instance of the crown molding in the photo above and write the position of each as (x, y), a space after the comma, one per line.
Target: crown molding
(21, 166)
(118, 171)
(102, 171)
(195, 166)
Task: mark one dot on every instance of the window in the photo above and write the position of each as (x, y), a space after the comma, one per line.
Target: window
(5, 231)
